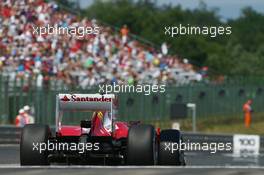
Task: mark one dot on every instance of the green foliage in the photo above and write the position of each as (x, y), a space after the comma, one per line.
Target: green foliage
(241, 53)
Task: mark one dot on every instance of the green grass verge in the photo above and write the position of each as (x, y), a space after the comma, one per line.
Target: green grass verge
(220, 124)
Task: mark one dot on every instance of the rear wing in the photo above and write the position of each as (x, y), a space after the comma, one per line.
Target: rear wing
(83, 102)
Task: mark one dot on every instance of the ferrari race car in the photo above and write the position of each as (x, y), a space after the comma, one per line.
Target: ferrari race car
(100, 140)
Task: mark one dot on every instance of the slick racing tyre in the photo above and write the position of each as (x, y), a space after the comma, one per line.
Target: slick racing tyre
(168, 155)
(141, 145)
(37, 134)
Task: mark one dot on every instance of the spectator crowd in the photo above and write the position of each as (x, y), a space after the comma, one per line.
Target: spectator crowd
(107, 57)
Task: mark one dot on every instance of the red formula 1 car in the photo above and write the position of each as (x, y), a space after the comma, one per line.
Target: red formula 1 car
(101, 140)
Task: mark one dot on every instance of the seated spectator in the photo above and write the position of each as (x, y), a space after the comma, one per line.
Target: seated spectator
(70, 61)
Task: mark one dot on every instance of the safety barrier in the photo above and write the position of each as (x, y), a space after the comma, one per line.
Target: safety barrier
(11, 135)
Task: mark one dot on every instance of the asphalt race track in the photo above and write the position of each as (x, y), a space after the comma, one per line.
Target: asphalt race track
(134, 171)
(198, 162)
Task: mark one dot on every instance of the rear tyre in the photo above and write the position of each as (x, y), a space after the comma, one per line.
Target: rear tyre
(167, 156)
(37, 134)
(141, 145)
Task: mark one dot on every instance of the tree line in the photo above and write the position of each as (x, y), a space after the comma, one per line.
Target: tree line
(240, 53)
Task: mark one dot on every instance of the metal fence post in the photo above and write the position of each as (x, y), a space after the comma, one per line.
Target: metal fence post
(192, 106)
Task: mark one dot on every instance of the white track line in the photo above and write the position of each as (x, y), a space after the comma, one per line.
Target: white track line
(3, 166)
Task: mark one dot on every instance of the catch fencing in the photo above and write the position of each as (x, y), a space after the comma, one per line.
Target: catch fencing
(211, 100)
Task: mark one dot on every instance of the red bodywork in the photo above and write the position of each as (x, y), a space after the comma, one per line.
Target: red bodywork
(97, 129)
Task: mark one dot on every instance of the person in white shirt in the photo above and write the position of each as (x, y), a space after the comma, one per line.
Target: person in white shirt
(31, 119)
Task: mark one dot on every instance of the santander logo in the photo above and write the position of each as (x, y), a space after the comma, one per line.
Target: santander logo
(65, 98)
(75, 98)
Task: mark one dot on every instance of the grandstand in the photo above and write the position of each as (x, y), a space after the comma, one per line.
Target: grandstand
(73, 62)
